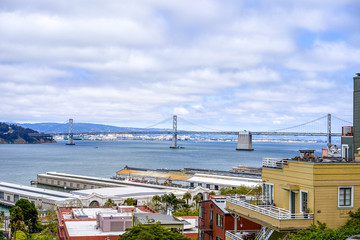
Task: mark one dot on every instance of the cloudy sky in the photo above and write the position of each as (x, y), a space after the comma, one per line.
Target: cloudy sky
(228, 65)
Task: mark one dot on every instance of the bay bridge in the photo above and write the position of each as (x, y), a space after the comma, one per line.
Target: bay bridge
(327, 126)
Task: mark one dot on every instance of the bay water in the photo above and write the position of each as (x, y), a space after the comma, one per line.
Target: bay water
(20, 163)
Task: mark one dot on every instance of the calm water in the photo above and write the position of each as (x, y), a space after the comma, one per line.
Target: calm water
(20, 163)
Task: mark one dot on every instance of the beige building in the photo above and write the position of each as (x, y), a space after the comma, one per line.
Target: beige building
(298, 193)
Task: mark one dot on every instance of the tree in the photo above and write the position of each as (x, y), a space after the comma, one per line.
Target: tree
(321, 231)
(30, 213)
(187, 197)
(151, 232)
(197, 199)
(20, 235)
(212, 193)
(171, 201)
(109, 203)
(130, 201)
(16, 219)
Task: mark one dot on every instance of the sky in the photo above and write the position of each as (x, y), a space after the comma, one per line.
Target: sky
(227, 65)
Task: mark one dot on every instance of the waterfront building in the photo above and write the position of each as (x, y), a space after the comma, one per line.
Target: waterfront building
(44, 199)
(215, 220)
(191, 178)
(142, 195)
(298, 193)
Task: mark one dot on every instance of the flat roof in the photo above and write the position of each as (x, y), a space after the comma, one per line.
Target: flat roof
(105, 212)
(153, 218)
(122, 192)
(86, 228)
(225, 181)
(35, 192)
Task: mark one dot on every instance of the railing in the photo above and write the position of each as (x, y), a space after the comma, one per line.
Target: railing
(240, 235)
(272, 211)
(274, 162)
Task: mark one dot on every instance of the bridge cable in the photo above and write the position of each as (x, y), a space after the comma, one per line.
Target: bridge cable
(163, 121)
(213, 129)
(300, 125)
(341, 119)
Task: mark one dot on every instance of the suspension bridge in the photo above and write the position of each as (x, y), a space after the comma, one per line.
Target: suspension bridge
(327, 126)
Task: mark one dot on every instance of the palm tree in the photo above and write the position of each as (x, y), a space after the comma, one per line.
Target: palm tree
(197, 199)
(187, 197)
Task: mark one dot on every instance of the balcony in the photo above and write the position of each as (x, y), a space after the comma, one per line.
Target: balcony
(270, 216)
(274, 162)
(240, 235)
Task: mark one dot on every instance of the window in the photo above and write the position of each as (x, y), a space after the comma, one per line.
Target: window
(303, 200)
(58, 182)
(16, 198)
(78, 185)
(52, 181)
(219, 220)
(269, 193)
(217, 238)
(345, 195)
(207, 185)
(71, 184)
(201, 212)
(2, 195)
(211, 219)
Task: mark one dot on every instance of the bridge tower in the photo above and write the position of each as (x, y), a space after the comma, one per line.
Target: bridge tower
(71, 133)
(174, 139)
(329, 130)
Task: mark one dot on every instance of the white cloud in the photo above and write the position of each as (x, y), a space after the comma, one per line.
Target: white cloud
(226, 64)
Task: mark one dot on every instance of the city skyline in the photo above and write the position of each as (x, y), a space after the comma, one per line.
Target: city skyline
(225, 65)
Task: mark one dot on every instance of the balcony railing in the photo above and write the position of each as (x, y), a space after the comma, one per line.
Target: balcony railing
(241, 235)
(274, 162)
(272, 211)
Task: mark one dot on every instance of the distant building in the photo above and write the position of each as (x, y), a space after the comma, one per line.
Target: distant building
(191, 178)
(215, 220)
(44, 199)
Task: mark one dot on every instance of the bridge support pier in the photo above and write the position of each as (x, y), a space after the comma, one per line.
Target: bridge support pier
(244, 142)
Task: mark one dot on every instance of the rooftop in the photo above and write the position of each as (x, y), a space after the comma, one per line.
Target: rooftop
(86, 228)
(122, 192)
(35, 192)
(153, 218)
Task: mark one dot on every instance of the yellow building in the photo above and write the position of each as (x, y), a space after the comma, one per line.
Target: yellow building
(298, 193)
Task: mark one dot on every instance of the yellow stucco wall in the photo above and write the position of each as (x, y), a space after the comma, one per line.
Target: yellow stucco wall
(321, 180)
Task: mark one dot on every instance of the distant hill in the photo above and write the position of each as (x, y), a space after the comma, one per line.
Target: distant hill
(78, 127)
(16, 134)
